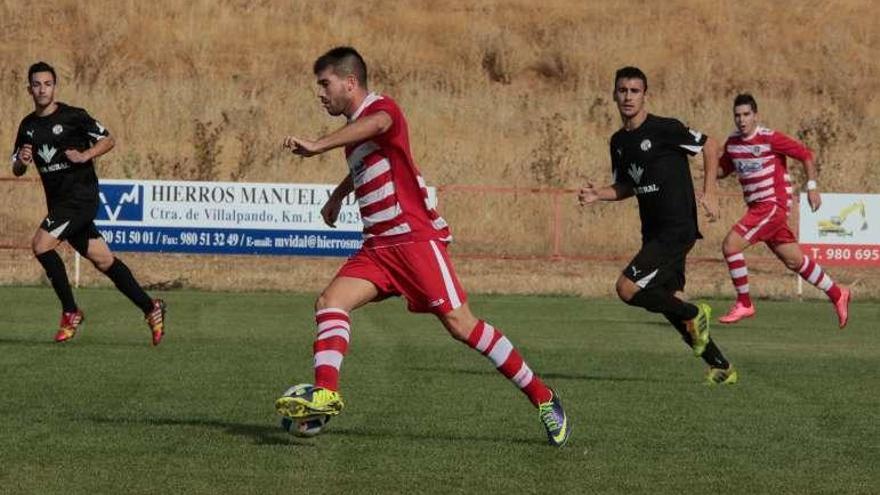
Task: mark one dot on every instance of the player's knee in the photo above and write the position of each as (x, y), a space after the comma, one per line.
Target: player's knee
(322, 302)
(793, 264)
(624, 289)
(102, 263)
(38, 247)
(327, 300)
(726, 249)
(459, 325)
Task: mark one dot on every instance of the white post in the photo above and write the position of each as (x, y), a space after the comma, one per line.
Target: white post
(76, 269)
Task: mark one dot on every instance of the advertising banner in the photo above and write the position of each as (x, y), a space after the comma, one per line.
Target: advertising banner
(845, 230)
(225, 218)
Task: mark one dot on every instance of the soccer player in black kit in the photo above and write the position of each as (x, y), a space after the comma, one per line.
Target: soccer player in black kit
(649, 159)
(61, 142)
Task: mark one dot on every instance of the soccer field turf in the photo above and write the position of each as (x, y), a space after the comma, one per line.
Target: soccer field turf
(106, 413)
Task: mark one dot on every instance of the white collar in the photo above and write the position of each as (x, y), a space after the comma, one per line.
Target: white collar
(369, 100)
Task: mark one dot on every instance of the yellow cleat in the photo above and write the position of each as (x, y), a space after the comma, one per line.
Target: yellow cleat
(555, 421)
(699, 328)
(319, 401)
(721, 376)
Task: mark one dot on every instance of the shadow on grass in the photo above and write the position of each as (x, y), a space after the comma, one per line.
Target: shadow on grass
(42, 342)
(260, 434)
(445, 437)
(648, 321)
(273, 435)
(556, 376)
(73, 344)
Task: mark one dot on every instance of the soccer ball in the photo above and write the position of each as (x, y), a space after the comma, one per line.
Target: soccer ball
(303, 427)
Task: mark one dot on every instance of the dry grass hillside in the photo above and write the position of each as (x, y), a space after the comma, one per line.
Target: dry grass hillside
(513, 93)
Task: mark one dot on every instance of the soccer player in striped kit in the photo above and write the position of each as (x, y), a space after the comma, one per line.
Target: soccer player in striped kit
(758, 157)
(404, 251)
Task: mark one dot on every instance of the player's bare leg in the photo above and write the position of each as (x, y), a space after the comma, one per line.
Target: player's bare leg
(733, 247)
(98, 252)
(347, 294)
(332, 310)
(44, 247)
(462, 325)
(796, 261)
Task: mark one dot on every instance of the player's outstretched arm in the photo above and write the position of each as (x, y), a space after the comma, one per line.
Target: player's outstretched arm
(709, 198)
(101, 147)
(354, 132)
(590, 194)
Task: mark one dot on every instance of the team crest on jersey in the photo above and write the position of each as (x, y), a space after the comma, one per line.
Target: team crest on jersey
(645, 145)
(57, 129)
(756, 150)
(46, 152)
(635, 172)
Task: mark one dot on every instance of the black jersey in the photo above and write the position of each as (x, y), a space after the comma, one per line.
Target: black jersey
(653, 160)
(68, 186)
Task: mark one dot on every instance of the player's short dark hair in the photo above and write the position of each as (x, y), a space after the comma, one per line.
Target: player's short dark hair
(345, 61)
(41, 67)
(746, 99)
(630, 72)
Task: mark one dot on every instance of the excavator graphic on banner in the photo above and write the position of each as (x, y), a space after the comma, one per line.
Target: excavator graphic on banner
(835, 225)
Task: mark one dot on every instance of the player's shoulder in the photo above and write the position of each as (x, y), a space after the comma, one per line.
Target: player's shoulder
(376, 102)
(28, 119)
(65, 109)
(766, 135)
(661, 122)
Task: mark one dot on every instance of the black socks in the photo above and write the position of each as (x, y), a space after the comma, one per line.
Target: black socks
(125, 282)
(712, 355)
(58, 276)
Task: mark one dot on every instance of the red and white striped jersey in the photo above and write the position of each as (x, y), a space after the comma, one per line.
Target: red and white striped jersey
(391, 193)
(760, 163)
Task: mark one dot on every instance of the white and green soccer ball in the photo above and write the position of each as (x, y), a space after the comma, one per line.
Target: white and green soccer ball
(303, 427)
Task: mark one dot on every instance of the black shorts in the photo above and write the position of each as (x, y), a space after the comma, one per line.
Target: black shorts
(74, 226)
(659, 264)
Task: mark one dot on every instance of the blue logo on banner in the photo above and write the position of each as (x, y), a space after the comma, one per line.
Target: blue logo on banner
(121, 202)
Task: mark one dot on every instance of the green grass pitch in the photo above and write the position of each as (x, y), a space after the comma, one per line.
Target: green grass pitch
(106, 413)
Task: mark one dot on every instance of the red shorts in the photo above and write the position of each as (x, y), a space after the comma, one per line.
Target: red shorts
(765, 222)
(419, 271)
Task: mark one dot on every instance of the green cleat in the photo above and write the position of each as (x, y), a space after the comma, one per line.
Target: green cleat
(555, 421)
(319, 401)
(721, 376)
(699, 328)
